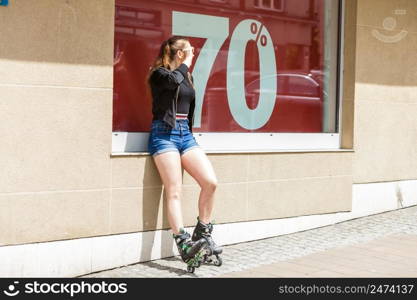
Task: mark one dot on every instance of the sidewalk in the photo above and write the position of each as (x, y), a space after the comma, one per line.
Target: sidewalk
(391, 256)
(383, 245)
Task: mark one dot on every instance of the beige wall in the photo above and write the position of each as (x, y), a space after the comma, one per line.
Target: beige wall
(251, 187)
(386, 93)
(59, 181)
(56, 60)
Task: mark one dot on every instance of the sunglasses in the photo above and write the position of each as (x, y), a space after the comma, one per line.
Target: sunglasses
(188, 49)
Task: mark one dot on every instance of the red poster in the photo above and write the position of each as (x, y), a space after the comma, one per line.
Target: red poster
(258, 65)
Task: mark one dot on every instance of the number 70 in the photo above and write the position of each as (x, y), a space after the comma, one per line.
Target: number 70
(216, 30)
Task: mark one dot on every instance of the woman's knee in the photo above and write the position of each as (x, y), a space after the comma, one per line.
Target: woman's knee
(210, 184)
(173, 192)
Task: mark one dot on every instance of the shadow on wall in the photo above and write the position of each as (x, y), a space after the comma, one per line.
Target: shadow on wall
(150, 216)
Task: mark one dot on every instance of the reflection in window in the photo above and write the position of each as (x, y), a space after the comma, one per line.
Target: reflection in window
(305, 44)
(219, 1)
(276, 5)
(303, 85)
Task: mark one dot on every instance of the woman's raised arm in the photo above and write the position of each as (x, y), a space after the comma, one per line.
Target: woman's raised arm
(169, 79)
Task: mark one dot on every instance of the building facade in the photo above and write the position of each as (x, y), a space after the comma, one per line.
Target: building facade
(78, 192)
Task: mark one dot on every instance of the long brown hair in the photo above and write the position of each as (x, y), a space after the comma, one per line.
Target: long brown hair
(167, 52)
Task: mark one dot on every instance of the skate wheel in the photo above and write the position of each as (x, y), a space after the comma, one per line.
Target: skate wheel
(190, 269)
(218, 262)
(209, 251)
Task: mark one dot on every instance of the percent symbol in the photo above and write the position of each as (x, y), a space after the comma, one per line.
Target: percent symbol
(254, 30)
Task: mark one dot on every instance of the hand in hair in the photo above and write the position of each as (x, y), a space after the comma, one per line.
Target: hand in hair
(189, 55)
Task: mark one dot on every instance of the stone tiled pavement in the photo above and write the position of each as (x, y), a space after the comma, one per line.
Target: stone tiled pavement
(283, 255)
(394, 255)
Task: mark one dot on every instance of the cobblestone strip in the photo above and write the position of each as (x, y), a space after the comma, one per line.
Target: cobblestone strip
(242, 256)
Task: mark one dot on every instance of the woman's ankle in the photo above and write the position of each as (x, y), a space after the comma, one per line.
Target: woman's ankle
(178, 231)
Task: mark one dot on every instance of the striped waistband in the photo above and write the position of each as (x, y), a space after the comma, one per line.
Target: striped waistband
(179, 116)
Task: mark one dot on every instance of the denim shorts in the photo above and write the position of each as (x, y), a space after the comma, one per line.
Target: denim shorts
(163, 138)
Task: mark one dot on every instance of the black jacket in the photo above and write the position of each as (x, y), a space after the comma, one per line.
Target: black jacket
(164, 84)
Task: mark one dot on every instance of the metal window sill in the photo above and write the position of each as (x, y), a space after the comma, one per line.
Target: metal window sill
(118, 154)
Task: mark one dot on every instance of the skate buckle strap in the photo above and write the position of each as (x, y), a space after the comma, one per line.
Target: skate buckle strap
(181, 237)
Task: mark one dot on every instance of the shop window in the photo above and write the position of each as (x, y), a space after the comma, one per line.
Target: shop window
(268, 84)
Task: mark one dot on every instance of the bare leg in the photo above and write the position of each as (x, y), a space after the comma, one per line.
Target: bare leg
(169, 167)
(197, 164)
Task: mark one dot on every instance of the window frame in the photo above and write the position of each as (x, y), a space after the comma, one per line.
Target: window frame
(215, 142)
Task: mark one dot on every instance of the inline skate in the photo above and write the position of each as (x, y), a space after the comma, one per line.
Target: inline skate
(191, 252)
(203, 231)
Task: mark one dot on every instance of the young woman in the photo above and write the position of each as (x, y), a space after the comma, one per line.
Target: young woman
(172, 144)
